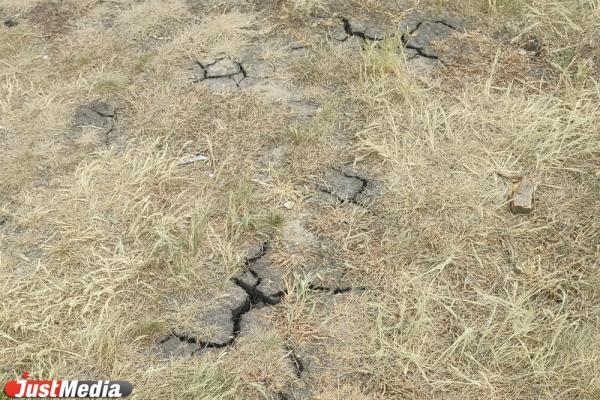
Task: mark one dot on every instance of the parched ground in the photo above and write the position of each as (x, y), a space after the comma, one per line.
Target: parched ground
(301, 199)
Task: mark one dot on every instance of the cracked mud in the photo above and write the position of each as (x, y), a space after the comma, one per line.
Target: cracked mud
(260, 285)
(346, 186)
(220, 74)
(247, 310)
(263, 284)
(98, 114)
(417, 35)
(255, 74)
(418, 42)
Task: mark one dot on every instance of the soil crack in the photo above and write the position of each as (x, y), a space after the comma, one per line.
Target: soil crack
(250, 282)
(258, 297)
(98, 114)
(296, 362)
(358, 33)
(334, 290)
(221, 69)
(421, 52)
(433, 21)
(346, 187)
(406, 38)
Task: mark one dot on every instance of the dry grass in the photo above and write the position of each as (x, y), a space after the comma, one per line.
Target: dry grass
(480, 286)
(462, 299)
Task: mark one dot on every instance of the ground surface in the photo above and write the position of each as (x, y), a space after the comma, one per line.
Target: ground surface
(301, 199)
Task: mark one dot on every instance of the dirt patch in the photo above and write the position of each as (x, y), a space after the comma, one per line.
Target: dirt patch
(263, 283)
(100, 115)
(53, 17)
(220, 325)
(220, 74)
(418, 34)
(420, 40)
(342, 186)
(177, 346)
(252, 74)
(258, 286)
(346, 186)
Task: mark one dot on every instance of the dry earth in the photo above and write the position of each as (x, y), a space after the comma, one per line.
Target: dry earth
(301, 199)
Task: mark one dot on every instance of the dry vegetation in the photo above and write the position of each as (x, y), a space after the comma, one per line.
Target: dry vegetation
(463, 300)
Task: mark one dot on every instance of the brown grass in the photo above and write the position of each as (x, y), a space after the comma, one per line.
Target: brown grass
(462, 300)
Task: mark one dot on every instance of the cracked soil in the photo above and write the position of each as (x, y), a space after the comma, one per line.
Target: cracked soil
(340, 228)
